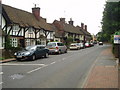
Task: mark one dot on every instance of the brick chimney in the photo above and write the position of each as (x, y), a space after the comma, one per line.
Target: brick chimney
(82, 25)
(62, 20)
(71, 22)
(85, 27)
(36, 12)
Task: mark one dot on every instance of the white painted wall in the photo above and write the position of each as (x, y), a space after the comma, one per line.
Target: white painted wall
(2, 41)
(50, 36)
(3, 22)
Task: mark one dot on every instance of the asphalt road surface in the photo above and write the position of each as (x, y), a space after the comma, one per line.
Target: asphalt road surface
(68, 70)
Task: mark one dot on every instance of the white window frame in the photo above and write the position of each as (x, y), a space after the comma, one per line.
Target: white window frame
(27, 42)
(30, 31)
(14, 42)
(15, 29)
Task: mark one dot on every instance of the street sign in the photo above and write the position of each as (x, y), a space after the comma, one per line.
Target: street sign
(116, 39)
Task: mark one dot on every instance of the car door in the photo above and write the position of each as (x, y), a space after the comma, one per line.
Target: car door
(62, 47)
(42, 51)
(38, 52)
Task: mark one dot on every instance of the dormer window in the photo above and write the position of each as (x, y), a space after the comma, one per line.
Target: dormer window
(30, 31)
(15, 28)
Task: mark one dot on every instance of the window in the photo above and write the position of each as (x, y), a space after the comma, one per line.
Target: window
(42, 41)
(15, 29)
(60, 44)
(28, 42)
(30, 31)
(14, 42)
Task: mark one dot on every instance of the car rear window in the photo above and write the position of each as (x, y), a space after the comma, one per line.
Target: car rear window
(51, 44)
(60, 44)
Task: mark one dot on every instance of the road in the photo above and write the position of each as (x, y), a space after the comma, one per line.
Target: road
(68, 70)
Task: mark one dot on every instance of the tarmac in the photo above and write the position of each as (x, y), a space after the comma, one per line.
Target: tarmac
(105, 73)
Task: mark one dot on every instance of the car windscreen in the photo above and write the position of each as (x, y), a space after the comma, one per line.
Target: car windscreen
(30, 48)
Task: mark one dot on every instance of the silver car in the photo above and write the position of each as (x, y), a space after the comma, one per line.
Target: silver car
(56, 47)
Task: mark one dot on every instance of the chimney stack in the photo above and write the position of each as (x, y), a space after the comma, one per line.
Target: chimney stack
(85, 27)
(82, 25)
(62, 20)
(71, 22)
(36, 12)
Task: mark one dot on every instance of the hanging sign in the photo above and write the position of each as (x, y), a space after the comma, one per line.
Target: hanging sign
(116, 39)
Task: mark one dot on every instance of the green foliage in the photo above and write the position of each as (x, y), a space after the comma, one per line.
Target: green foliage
(69, 40)
(110, 21)
(8, 44)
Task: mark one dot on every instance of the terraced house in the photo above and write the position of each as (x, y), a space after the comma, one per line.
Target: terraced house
(25, 28)
(66, 30)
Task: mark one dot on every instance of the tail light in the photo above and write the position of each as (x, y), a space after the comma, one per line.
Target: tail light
(56, 47)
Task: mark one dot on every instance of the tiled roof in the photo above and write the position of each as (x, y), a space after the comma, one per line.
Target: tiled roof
(58, 33)
(72, 29)
(67, 27)
(24, 18)
(83, 31)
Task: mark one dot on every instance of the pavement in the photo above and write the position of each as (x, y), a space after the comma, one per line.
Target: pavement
(103, 74)
(7, 60)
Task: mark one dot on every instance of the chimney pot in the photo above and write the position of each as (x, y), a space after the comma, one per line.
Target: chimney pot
(71, 22)
(36, 12)
(85, 27)
(82, 25)
(62, 20)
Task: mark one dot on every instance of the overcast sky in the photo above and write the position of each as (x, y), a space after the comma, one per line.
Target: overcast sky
(87, 11)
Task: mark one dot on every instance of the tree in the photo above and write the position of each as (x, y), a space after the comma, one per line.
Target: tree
(110, 21)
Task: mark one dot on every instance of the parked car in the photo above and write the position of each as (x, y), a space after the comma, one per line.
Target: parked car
(74, 46)
(32, 53)
(100, 43)
(81, 45)
(87, 44)
(91, 44)
(57, 47)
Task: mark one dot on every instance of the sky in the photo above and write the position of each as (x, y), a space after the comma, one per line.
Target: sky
(88, 12)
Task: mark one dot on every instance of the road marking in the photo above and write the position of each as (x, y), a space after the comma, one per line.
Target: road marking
(36, 69)
(9, 64)
(52, 62)
(40, 68)
(1, 73)
(1, 82)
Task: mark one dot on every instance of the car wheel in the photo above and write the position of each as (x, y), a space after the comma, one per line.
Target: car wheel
(59, 52)
(66, 51)
(33, 57)
(18, 59)
(46, 55)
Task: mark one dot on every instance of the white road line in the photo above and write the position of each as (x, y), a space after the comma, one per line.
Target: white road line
(40, 68)
(9, 64)
(1, 82)
(52, 63)
(36, 69)
(1, 73)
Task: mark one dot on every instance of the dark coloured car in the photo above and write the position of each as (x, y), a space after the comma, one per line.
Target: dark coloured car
(32, 53)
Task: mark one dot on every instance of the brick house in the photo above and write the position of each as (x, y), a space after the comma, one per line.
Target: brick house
(68, 30)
